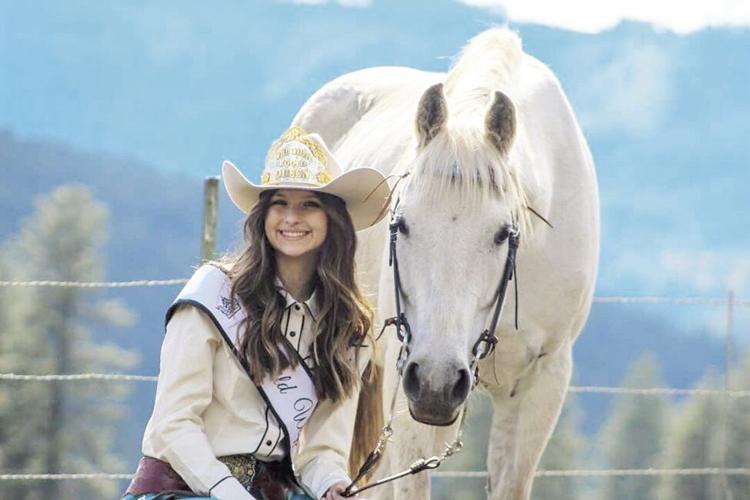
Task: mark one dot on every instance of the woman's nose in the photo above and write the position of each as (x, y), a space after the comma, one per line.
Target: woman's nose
(291, 215)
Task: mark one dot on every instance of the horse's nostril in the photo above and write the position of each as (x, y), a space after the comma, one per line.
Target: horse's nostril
(462, 387)
(411, 381)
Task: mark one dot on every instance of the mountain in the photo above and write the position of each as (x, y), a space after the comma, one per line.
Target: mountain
(186, 85)
(140, 100)
(154, 231)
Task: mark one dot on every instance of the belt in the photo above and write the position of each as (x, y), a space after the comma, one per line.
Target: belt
(263, 480)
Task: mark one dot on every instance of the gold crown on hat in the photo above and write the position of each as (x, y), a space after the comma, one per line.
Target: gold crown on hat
(295, 158)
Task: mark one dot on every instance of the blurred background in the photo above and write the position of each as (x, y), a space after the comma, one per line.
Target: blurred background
(113, 113)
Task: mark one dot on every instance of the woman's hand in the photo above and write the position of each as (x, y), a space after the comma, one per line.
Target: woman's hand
(335, 492)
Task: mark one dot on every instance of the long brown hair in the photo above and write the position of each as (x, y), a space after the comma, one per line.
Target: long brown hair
(344, 317)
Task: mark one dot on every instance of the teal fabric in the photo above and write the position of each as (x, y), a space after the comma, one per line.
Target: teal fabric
(156, 496)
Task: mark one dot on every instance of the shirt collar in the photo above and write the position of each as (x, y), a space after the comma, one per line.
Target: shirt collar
(311, 303)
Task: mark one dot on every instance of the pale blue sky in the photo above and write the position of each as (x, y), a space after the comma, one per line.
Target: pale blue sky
(182, 85)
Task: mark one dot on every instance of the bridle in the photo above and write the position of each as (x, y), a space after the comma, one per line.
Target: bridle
(483, 347)
(487, 340)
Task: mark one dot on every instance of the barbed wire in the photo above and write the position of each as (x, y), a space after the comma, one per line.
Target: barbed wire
(658, 391)
(711, 471)
(79, 376)
(182, 281)
(61, 477)
(93, 284)
(653, 391)
(711, 301)
(608, 473)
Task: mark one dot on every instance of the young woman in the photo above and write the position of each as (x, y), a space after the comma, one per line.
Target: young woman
(264, 351)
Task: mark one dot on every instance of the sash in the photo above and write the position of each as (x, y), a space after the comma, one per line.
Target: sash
(290, 396)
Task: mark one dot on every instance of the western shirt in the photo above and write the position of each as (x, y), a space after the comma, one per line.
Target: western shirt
(206, 407)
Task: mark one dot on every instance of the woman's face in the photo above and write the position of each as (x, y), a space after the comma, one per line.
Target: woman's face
(296, 224)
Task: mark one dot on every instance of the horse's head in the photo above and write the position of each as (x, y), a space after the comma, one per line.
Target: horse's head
(454, 218)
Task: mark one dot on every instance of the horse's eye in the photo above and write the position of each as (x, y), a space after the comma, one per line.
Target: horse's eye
(399, 224)
(502, 235)
(402, 228)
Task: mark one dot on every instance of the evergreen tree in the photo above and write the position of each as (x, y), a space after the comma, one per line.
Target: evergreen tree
(696, 440)
(58, 427)
(693, 440)
(564, 451)
(738, 432)
(632, 436)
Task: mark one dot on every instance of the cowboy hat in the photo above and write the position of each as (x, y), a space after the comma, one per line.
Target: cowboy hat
(298, 160)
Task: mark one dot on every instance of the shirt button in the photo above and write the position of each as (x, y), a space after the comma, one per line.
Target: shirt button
(292, 334)
(269, 442)
(296, 307)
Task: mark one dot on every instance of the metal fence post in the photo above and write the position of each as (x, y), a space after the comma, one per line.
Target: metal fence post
(728, 341)
(210, 213)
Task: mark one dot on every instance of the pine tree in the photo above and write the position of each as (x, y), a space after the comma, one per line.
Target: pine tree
(632, 435)
(563, 452)
(696, 441)
(56, 427)
(692, 444)
(738, 432)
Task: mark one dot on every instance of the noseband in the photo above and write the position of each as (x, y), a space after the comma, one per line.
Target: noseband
(482, 348)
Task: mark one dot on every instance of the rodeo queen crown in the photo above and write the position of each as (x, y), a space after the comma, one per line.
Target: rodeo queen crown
(262, 361)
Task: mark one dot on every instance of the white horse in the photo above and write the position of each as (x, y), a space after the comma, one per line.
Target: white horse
(495, 138)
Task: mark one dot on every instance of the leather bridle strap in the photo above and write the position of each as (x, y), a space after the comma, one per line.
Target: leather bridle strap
(484, 346)
(403, 330)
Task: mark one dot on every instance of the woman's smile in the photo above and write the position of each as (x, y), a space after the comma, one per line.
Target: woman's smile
(290, 234)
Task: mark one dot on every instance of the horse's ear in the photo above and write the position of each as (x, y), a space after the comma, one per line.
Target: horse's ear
(500, 123)
(431, 115)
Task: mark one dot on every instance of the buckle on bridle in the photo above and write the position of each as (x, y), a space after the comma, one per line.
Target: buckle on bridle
(485, 345)
(405, 334)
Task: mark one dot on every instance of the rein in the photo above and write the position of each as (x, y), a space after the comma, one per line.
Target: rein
(482, 348)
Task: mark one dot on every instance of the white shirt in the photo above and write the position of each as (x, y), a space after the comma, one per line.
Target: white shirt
(206, 407)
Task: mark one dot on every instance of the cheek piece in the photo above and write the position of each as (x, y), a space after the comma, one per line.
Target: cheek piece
(482, 348)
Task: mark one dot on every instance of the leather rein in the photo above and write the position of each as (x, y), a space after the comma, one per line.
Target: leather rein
(482, 348)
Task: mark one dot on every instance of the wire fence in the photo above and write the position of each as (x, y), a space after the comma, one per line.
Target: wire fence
(714, 301)
(731, 302)
(591, 389)
(93, 284)
(711, 471)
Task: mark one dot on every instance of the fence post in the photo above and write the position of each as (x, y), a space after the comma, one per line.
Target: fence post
(210, 211)
(728, 341)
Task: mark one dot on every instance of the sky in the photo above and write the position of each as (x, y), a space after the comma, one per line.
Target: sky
(183, 85)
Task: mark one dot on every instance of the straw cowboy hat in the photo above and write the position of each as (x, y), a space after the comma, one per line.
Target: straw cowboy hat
(298, 160)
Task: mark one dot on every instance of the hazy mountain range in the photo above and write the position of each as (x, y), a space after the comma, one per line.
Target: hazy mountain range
(140, 100)
(184, 85)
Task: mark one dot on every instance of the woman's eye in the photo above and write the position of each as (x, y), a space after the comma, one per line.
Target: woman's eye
(311, 204)
(502, 235)
(280, 203)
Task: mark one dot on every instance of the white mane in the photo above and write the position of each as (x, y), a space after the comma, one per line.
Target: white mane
(460, 157)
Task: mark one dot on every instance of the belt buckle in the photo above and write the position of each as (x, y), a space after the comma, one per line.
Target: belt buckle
(242, 468)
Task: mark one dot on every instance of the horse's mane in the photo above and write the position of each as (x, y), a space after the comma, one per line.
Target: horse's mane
(459, 157)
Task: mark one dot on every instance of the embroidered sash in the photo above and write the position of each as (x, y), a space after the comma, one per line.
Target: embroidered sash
(291, 396)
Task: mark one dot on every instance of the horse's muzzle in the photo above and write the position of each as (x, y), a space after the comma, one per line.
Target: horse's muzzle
(432, 418)
(435, 395)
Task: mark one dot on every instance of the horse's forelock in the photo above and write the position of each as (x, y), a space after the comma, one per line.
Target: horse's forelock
(462, 161)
